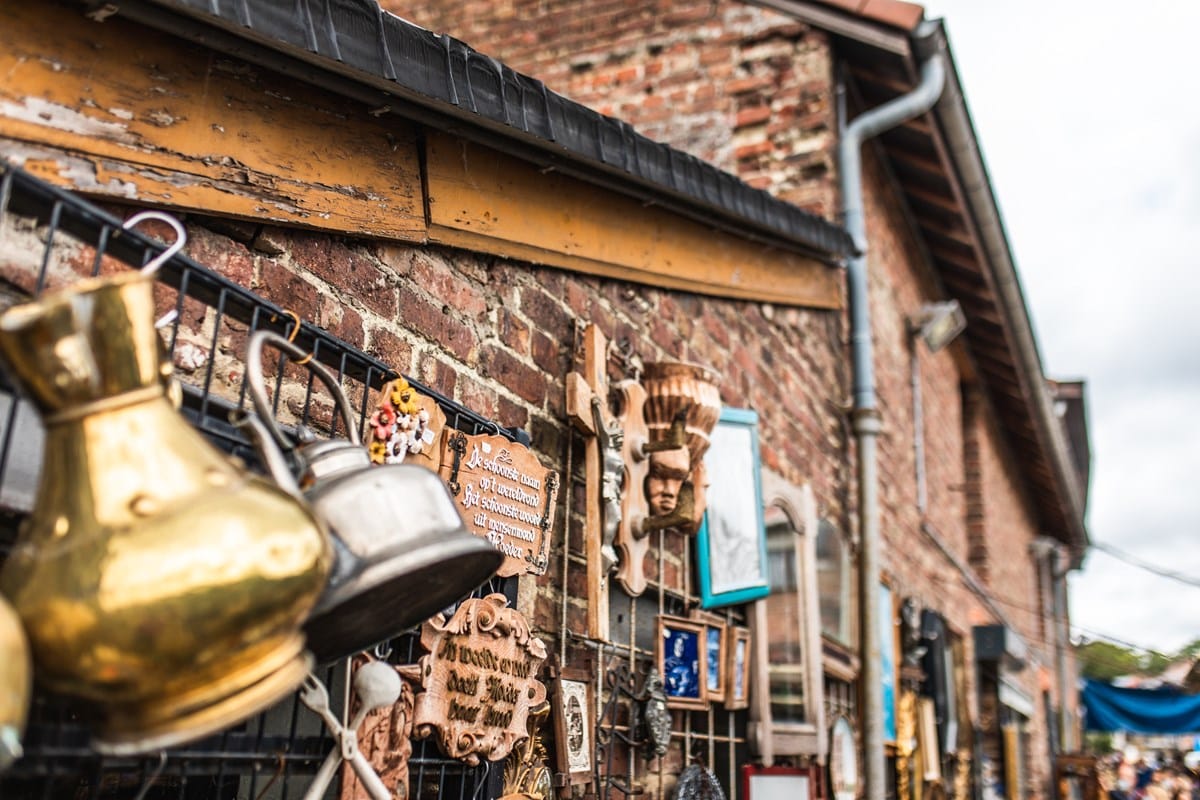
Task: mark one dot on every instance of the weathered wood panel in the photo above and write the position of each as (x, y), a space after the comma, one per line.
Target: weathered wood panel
(117, 110)
(487, 201)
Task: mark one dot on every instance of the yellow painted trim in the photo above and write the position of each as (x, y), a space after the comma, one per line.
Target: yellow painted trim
(484, 200)
(112, 109)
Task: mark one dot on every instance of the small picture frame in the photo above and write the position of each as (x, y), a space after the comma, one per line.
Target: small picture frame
(715, 650)
(732, 541)
(737, 673)
(574, 724)
(682, 662)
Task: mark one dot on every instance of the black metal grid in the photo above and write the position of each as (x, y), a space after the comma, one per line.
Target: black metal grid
(274, 754)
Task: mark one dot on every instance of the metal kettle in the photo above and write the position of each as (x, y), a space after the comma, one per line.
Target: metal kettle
(155, 579)
(16, 684)
(401, 550)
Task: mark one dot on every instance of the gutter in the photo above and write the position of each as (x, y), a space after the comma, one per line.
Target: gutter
(865, 416)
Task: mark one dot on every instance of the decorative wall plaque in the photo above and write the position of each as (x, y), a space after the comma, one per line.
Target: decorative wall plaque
(479, 680)
(505, 495)
(405, 427)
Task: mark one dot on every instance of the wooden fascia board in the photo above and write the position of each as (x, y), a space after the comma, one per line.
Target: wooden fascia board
(104, 109)
(485, 200)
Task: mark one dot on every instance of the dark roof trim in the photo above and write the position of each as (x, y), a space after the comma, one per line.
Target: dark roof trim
(372, 55)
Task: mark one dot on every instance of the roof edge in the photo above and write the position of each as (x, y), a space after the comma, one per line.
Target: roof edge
(356, 48)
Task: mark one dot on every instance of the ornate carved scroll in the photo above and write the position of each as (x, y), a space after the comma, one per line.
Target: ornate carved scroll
(479, 680)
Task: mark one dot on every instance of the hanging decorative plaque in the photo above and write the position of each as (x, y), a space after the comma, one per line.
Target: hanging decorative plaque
(479, 680)
(505, 495)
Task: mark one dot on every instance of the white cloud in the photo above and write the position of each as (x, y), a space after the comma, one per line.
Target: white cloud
(1085, 118)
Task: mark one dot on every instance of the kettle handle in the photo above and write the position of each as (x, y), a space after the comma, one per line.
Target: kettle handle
(258, 389)
(153, 265)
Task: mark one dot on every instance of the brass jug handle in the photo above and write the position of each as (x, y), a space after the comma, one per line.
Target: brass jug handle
(258, 389)
(152, 266)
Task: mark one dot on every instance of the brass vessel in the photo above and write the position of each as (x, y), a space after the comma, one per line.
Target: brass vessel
(16, 683)
(155, 579)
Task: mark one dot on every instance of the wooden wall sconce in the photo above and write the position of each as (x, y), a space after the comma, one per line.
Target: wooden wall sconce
(645, 469)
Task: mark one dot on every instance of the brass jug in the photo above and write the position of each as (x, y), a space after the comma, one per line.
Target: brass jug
(16, 683)
(401, 551)
(155, 579)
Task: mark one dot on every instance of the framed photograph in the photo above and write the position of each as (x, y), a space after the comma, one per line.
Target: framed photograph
(682, 662)
(778, 783)
(737, 675)
(574, 722)
(732, 541)
(715, 651)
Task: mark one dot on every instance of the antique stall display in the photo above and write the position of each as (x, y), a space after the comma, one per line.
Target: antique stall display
(384, 736)
(732, 545)
(401, 551)
(376, 685)
(715, 650)
(644, 463)
(526, 774)
(407, 426)
(155, 579)
(574, 724)
(505, 496)
(843, 760)
(779, 783)
(682, 662)
(698, 782)
(479, 680)
(16, 684)
(656, 717)
(737, 680)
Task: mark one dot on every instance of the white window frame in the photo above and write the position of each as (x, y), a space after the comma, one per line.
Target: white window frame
(770, 739)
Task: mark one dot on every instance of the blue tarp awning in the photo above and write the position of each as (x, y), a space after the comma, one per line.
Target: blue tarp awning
(1140, 710)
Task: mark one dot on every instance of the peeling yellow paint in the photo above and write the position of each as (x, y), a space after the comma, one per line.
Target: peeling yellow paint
(481, 199)
(147, 118)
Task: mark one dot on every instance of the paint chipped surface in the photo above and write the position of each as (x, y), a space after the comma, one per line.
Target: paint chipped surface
(38, 111)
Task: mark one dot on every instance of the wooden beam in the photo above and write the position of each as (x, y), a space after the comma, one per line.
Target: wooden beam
(484, 200)
(110, 109)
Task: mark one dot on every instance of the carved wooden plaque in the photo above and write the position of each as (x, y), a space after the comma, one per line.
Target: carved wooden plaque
(384, 738)
(505, 495)
(479, 680)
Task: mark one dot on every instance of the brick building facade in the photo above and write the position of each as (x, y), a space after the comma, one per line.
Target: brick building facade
(445, 240)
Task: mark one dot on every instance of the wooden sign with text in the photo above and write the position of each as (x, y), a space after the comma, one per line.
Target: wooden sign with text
(479, 680)
(505, 495)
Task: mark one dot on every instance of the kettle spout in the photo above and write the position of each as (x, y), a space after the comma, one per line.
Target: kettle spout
(264, 444)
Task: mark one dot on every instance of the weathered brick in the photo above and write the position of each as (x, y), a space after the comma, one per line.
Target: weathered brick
(526, 381)
(437, 322)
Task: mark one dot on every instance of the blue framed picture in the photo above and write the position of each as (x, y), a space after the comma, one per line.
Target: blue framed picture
(683, 662)
(732, 540)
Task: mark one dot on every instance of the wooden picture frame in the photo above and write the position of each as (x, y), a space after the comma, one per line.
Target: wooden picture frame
(732, 541)
(737, 671)
(716, 650)
(574, 724)
(780, 783)
(681, 662)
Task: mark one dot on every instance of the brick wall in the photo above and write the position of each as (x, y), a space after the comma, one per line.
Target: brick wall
(744, 88)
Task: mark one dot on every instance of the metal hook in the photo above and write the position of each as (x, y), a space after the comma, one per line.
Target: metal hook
(162, 763)
(482, 786)
(383, 650)
(292, 336)
(152, 266)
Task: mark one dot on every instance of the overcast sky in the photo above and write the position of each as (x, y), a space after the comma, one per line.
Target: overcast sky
(1089, 119)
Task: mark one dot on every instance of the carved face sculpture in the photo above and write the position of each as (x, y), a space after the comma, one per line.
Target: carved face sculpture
(668, 470)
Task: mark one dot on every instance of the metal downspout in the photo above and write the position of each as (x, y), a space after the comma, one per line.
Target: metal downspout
(865, 415)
